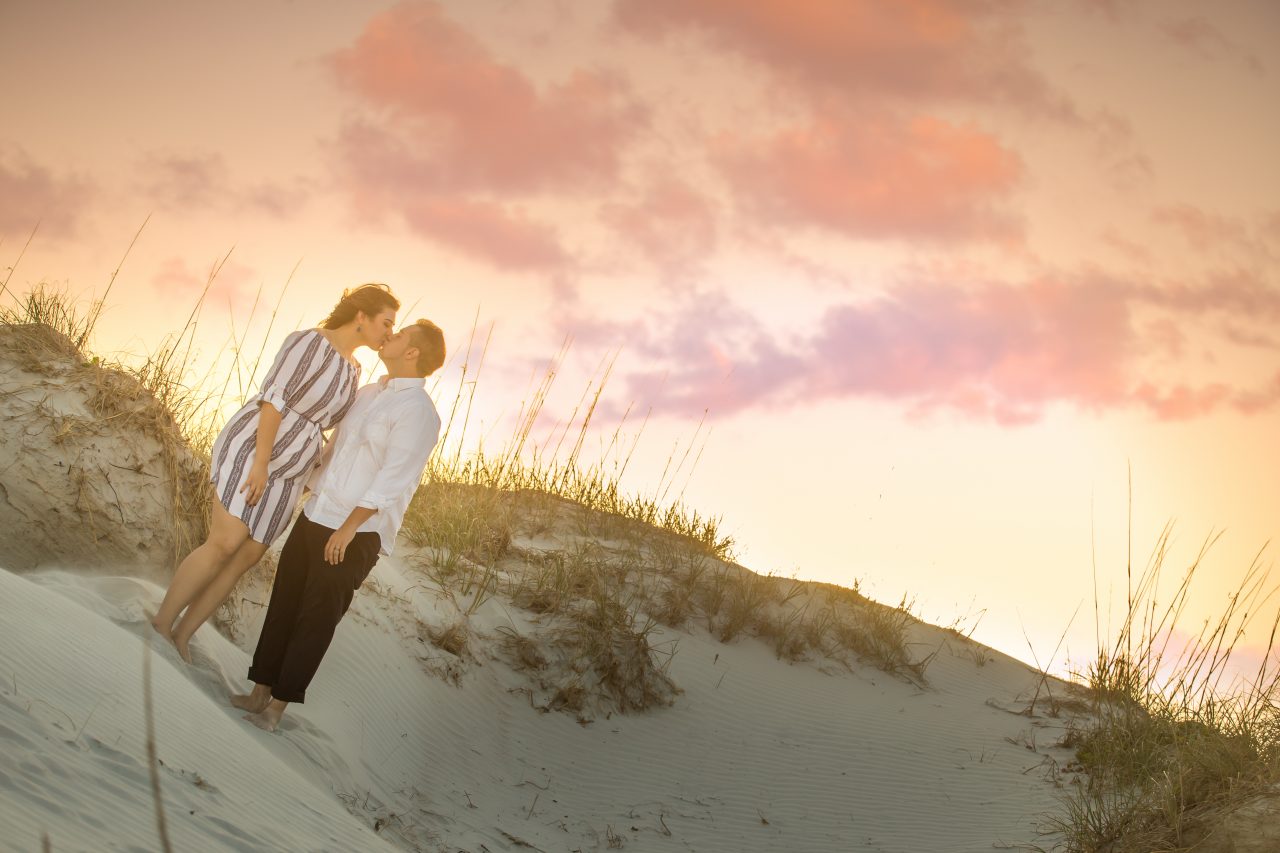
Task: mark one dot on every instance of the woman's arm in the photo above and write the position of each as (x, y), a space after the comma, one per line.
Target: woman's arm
(290, 364)
(255, 482)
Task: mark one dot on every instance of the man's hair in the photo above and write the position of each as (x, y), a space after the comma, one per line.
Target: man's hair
(429, 340)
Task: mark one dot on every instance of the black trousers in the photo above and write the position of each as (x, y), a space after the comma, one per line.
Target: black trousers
(308, 600)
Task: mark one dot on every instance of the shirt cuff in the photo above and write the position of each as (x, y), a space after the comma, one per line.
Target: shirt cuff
(375, 502)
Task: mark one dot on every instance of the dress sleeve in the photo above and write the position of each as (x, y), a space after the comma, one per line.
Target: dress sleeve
(286, 371)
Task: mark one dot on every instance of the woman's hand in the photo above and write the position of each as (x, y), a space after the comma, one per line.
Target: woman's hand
(255, 483)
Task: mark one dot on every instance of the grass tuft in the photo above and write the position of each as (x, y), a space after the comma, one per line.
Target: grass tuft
(1175, 742)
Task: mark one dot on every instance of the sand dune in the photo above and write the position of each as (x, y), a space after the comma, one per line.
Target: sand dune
(756, 754)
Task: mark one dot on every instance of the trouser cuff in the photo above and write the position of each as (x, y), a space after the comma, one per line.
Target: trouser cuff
(257, 676)
(292, 697)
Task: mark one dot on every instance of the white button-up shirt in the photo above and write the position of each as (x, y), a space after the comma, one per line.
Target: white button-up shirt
(375, 458)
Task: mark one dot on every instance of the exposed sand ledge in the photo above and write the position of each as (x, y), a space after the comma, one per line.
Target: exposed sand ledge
(93, 471)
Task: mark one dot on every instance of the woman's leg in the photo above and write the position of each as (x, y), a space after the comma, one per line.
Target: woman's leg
(226, 533)
(216, 592)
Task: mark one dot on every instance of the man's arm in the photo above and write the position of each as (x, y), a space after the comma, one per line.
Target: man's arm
(335, 550)
(409, 445)
(410, 441)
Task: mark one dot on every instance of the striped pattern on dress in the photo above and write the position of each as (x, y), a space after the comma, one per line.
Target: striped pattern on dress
(313, 387)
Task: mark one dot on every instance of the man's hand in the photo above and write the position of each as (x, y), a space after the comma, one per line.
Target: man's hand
(335, 550)
(255, 483)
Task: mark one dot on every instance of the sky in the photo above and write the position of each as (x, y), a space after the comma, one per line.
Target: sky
(963, 302)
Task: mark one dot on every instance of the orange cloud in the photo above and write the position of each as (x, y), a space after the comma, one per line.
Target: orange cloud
(877, 175)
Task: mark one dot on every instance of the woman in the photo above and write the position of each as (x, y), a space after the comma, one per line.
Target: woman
(263, 455)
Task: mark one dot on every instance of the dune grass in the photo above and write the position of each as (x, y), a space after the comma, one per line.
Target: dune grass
(1176, 741)
(604, 603)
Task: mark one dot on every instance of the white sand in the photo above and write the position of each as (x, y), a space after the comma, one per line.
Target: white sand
(756, 754)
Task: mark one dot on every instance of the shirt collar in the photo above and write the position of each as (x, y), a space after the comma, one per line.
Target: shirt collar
(402, 383)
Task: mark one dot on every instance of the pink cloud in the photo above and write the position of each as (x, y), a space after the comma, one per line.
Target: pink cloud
(385, 179)
(1235, 295)
(1205, 230)
(1116, 147)
(671, 224)
(1130, 249)
(277, 199)
(990, 351)
(714, 356)
(919, 50)
(200, 182)
(876, 176)
(1202, 38)
(996, 349)
(1109, 8)
(1270, 228)
(185, 182)
(232, 286)
(1250, 338)
(474, 122)
(1247, 655)
(1259, 400)
(453, 135)
(33, 194)
(1182, 402)
(487, 231)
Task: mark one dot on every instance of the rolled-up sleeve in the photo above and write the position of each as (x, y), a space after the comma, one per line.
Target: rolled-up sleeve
(410, 440)
(286, 371)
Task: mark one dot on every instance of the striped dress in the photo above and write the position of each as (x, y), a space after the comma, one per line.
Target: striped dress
(312, 386)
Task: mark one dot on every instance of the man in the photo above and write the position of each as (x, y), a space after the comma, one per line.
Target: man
(369, 472)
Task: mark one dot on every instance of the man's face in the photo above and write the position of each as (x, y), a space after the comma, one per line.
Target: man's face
(396, 346)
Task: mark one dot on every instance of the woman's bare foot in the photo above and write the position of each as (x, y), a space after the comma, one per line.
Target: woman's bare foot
(180, 643)
(269, 717)
(255, 701)
(163, 630)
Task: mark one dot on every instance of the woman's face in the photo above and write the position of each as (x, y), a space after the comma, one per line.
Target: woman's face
(378, 329)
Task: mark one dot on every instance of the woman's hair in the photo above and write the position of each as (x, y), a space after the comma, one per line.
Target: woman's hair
(429, 340)
(372, 299)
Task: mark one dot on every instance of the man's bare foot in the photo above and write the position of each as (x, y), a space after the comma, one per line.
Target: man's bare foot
(269, 717)
(255, 701)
